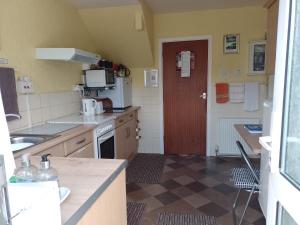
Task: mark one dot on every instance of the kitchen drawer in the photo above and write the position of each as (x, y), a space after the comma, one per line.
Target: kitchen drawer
(85, 152)
(78, 142)
(132, 115)
(55, 151)
(121, 120)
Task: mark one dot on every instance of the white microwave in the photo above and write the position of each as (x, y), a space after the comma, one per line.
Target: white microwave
(99, 78)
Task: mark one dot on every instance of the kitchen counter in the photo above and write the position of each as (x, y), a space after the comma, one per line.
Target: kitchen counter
(87, 180)
(64, 136)
(252, 140)
(47, 129)
(92, 120)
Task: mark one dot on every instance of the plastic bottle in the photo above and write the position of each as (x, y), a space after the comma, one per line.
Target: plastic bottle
(46, 172)
(26, 172)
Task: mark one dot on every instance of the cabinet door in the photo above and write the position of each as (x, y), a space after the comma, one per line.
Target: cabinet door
(132, 141)
(55, 151)
(85, 152)
(121, 142)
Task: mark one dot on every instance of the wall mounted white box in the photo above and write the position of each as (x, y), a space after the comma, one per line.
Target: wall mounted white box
(151, 78)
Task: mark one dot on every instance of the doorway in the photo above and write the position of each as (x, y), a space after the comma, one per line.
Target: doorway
(184, 98)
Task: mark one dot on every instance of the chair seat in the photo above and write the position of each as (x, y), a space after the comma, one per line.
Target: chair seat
(243, 178)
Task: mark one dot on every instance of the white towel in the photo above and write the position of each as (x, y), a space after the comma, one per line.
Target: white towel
(236, 92)
(251, 96)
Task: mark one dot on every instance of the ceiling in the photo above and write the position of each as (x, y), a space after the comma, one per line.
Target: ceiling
(101, 3)
(165, 6)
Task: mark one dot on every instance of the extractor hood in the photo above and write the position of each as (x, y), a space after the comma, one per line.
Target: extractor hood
(67, 54)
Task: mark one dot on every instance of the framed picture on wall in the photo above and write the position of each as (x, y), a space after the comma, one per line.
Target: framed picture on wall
(231, 43)
(257, 57)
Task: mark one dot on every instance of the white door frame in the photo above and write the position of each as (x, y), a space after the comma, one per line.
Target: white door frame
(209, 85)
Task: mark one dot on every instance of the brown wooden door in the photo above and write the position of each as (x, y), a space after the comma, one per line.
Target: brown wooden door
(184, 109)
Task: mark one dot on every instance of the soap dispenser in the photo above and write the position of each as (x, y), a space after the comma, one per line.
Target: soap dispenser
(26, 172)
(46, 172)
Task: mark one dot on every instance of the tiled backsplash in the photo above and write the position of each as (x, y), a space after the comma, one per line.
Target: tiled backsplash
(150, 119)
(38, 108)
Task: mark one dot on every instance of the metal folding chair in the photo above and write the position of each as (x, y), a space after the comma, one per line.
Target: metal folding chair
(244, 179)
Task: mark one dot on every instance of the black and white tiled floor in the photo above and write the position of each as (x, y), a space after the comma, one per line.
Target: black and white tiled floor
(194, 183)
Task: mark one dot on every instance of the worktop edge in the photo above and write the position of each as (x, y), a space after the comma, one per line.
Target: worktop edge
(74, 219)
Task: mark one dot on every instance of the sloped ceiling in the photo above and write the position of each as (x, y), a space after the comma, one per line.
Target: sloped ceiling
(166, 6)
(113, 32)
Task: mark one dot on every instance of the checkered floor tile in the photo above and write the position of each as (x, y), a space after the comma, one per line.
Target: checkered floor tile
(194, 183)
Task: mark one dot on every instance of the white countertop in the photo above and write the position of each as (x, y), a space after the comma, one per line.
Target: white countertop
(80, 119)
(47, 129)
(91, 120)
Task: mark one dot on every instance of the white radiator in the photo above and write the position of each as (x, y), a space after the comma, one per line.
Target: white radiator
(228, 135)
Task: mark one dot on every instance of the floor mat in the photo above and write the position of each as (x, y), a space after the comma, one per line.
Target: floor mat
(145, 168)
(135, 213)
(184, 219)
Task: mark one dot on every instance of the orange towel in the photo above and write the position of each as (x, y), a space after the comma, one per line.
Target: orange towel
(222, 92)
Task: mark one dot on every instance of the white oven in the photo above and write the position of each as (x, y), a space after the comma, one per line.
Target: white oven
(104, 141)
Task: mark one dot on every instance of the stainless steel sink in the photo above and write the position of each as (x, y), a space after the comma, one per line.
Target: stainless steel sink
(21, 141)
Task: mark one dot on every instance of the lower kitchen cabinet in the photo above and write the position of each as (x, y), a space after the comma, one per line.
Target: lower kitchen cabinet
(121, 139)
(85, 152)
(55, 151)
(80, 146)
(110, 207)
(126, 142)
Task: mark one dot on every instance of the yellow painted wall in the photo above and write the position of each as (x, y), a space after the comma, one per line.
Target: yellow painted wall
(249, 22)
(113, 31)
(28, 24)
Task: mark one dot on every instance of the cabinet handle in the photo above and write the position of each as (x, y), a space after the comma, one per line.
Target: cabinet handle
(131, 115)
(138, 129)
(121, 121)
(127, 132)
(138, 137)
(80, 142)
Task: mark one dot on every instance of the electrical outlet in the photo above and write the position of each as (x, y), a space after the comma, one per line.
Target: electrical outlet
(3, 61)
(25, 85)
(77, 87)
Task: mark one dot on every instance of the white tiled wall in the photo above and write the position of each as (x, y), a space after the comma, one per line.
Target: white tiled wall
(150, 119)
(38, 108)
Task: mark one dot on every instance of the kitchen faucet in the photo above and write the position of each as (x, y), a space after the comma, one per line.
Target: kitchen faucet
(13, 115)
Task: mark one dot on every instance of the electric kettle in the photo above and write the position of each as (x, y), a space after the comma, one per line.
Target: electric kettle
(88, 106)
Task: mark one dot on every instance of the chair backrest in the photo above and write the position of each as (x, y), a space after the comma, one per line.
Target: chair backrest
(248, 161)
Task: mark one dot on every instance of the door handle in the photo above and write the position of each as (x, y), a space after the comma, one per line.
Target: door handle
(203, 95)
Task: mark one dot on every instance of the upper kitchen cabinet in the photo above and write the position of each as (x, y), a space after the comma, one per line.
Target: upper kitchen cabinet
(272, 16)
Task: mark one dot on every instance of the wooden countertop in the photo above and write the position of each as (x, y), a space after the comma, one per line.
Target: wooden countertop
(87, 180)
(57, 140)
(252, 140)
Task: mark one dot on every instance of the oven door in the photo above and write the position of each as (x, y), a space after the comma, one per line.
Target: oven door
(106, 146)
